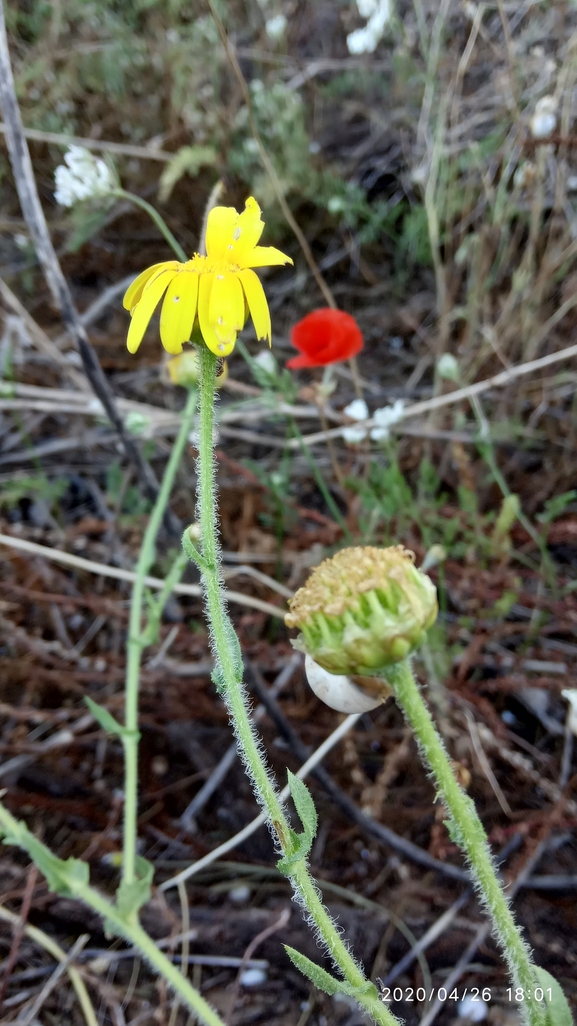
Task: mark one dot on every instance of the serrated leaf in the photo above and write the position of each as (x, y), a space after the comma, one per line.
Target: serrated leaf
(558, 1011)
(304, 805)
(187, 160)
(300, 843)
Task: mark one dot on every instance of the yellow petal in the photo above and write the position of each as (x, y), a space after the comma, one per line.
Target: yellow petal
(134, 291)
(246, 233)
(144, 310)
(257, 303)
(226, 307)
(264, 256)
(178, 311)
(208, 333)
(219, 228)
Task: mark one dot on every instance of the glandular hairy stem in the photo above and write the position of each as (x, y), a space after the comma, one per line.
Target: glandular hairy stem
(468, 831)
(228, 677)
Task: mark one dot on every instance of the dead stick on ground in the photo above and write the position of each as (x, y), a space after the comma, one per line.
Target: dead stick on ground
(49, 945)
(279, 924)
(34, 217)
(19, 931)
(31, 1015)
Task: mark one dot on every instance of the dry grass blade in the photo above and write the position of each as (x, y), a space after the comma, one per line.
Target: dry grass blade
(54, 949)
(68, 559)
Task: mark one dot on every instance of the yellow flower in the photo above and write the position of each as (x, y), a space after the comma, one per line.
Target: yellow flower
(219, 288)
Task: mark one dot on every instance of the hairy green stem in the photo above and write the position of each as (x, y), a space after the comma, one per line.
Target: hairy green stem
(470, 834)
(158, 220)
(138, 639)
(228, 677)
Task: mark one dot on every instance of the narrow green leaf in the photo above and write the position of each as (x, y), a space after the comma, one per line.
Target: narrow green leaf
(319, 977)
(558, 1011)
(300, 843)
(304, 805)
(104, 718)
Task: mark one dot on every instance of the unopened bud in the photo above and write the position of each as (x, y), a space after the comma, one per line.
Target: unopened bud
(184, 369)
(363, 610)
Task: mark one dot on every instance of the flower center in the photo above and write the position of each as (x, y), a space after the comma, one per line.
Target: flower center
(204, 265)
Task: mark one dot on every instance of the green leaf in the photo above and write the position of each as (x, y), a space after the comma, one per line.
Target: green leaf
(87, 219)
(324, 981)
(131, 897)
(304, 805)
(107, 721)
(301, 843)
(320, 978)
(62, 875)
(558, 1011)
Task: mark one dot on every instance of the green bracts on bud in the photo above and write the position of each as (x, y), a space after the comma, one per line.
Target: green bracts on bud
(363, 610)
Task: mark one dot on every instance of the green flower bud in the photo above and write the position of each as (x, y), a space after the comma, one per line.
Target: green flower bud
(363, 610)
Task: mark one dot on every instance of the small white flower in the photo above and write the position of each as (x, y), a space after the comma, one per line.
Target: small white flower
(367, 7)
(252, 977)
(81, 177)
(239, 894)
(447, 367)
(544, 120)
(366, 40)
(336, 204)
(136, 423)
(266, 361)
(385, 417)
(357, 410)
(275, 27)
(472, 1008)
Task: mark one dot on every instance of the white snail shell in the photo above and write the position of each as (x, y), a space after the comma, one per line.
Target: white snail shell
(338, 691)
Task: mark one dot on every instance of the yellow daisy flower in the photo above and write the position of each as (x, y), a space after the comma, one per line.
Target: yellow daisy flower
(219, 288)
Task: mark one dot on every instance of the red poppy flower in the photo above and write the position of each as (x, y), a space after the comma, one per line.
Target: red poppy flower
(325, 336)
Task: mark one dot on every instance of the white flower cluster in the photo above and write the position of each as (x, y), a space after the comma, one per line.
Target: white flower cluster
(385, 417)
(366, 40)
(81, 177)
(276, 27)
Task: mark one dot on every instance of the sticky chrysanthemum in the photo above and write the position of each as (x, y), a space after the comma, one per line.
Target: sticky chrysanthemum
(363, 610)
(219, 289)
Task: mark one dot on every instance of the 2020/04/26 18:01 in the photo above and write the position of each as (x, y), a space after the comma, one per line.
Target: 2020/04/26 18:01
(420, 995)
